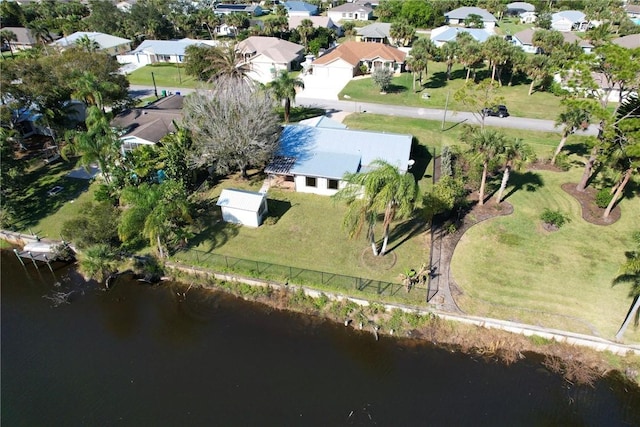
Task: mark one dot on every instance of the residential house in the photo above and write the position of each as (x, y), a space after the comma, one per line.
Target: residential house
(378, 32)
(266, 56)
(524, 40)
(107, 43)
(605, 89)
(344, 61)
(633, 12)
(243, 207)
(528, 17)
(148, 125)
(318, 22)
(125, 6)
(632, 41)
(154, 51)
(300, 8)
(441, 35)
(315, 159)
(25, 39)
(459, 15)
(248, 9)
(351, 11)
(517, 8)
(569, 20)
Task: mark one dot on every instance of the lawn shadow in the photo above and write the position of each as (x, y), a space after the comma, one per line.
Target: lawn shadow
(405, 231)
(302, 113)
(437, 80)
(579, 149)
(396, 89)
(456, 124)
(422, 157)
(277, 209)
(529, 181)
(213, 231)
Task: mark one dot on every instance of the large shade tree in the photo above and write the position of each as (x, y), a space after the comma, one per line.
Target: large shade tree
(234, 126)
(383, 190)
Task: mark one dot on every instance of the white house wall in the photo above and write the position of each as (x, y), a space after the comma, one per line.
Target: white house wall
(242, 217)
(338, 69)
(321, 187)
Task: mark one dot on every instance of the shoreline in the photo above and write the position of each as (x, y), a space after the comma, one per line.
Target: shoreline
(575, 362)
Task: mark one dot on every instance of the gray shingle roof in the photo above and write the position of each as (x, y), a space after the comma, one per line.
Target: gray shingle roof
(464, 12)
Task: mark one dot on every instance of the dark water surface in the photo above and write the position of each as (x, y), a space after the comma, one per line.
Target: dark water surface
(139, 355)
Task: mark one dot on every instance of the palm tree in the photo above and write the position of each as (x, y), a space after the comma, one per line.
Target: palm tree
(284, 88)
(630, 273)
(383, 189)
(514, 155)
(422, 51)
(8, 36)
(86, 44)
(91, 90)
(486, 144)
(537, 68)
(40, 32)
(226, 61)
(98, 144)
(97, 262)
(574, 117)
(305, 29)
(448, 52)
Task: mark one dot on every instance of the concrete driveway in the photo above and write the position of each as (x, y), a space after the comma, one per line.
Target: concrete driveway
(316, 87)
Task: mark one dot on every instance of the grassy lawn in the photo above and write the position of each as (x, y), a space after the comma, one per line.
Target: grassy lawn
(43, 214)
(166, 76)
(511, 268)
(540, 105)
(511, 26)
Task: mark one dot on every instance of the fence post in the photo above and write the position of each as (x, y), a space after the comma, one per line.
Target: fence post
(226, 261)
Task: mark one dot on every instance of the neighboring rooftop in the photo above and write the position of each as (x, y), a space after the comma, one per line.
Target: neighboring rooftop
(445, 34)
(526, 37)
(353, 52)
(520, 7)
(463, 13)
(632, 41)
(318, 21)
(105, 41)
(300, 6)
(574, 16)
(379, 30)
(273, 47)
(352, 7)
(153, 122)
(24, 36)
(165, 47)
(323, 122)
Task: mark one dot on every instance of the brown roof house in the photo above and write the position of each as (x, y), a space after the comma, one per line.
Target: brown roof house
(266, 56)
(24, 38)
(148, 125)
(344, 61)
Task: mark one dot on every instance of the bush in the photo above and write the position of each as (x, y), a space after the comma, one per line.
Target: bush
(563, 162)
(446, 165)
(555, 218)
(603, 198)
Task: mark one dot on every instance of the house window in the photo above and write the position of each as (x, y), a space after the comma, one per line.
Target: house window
(332, 184)
(311, 181)
(350, 15)
(344, 14)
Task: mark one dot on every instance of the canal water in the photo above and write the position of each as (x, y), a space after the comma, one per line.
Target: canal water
(144, 355)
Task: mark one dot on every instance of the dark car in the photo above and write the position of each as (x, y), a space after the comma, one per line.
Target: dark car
(497, 111)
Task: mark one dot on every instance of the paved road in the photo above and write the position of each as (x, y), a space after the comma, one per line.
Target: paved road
(396, 110)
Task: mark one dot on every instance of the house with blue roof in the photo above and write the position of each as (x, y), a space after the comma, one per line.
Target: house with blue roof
(441, 35)
(152, 51)
(316, 158)
(569, 20)
(300, 8)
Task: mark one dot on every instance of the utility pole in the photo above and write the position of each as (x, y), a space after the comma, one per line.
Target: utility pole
(155, 89)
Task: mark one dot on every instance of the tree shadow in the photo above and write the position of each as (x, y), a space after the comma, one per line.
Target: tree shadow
(277, 209)
(405, 231)
(396, 89)
(577, 149)
(301, 113)
(437, 80)
(422, 157)
(529, 181)
(213, 232)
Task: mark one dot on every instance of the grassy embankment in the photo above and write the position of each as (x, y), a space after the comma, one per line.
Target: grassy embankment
(540, 105)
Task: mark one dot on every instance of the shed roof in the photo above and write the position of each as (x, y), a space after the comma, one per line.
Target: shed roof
(464, 12)
(240, 199)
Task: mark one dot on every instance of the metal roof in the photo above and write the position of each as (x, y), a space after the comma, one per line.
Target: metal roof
(479, 34)
(105, 41)
(464, 12)
(165, 47)
(521, 5)
(572, 15)
(323, 122)
(300, 6)
(240, 199)
(330, 152)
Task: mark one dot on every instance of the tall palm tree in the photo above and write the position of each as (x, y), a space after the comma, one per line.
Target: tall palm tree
(537, 68)
(448, 52)
(284, 88)
(86, 44)
(98, 144)
(630, 273)
(226, 61)
(40, 32)
(305, 29)
(92, 90)
(573, 118)
(486, 144)
(515, 155)
(8, 36)
(384, 189)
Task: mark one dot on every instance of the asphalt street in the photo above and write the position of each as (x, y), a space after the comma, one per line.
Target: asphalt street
(333, 106)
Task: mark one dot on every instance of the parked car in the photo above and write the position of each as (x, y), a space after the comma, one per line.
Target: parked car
(497, 111)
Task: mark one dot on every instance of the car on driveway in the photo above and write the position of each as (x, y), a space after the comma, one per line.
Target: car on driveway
(497, 111)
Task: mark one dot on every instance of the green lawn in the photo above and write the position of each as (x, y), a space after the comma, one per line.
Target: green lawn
(511, 268)
(540, 105)
(166, 76)
(511, 26)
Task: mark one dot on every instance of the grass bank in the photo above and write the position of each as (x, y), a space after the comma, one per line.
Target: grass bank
(540, 105)
(166, 76)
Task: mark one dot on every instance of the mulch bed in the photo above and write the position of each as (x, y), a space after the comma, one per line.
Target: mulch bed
(590, 211)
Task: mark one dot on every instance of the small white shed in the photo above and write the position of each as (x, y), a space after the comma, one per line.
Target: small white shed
(243, 207)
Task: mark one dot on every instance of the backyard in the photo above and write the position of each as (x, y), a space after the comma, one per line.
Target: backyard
(165, 75)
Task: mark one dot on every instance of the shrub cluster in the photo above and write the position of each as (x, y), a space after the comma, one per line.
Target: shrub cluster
(556, 217)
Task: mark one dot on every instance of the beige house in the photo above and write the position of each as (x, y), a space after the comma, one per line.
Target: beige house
(351, 12)
(267, 56)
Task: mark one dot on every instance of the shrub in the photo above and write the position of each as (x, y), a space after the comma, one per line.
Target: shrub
(555, 218)
(562, 161)
(603, 198)
(446, 165)
(382, 78)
